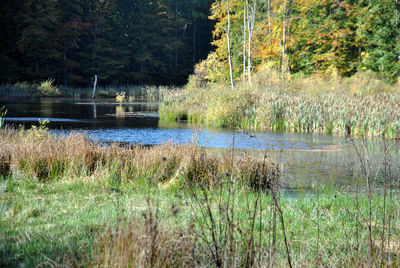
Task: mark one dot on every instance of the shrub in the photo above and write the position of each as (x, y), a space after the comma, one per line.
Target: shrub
(120, 96)
(211, 70)
(46, 88)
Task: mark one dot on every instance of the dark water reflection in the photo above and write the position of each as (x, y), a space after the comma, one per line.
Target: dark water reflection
(307, 159)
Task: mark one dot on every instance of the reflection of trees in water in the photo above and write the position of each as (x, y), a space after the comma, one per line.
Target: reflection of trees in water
(123, 111)
(46, 108)
(119, 111)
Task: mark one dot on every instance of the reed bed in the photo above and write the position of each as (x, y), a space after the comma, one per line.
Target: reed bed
(36, 152)
(356, 106)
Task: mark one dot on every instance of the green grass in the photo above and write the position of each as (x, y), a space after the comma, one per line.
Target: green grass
(53, 221)
(161, 207)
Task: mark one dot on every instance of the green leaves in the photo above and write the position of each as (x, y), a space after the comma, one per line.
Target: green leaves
(323, 36)
(122, 41)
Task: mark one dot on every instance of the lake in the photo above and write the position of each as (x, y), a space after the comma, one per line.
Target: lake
(308, 160)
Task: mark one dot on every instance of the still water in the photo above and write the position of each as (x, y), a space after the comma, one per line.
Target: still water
(308, 160)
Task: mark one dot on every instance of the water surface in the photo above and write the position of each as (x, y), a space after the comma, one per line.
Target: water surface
(308, 160)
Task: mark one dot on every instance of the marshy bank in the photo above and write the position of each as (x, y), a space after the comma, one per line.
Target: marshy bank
(68, 201)
(48, 89)
(361, 105)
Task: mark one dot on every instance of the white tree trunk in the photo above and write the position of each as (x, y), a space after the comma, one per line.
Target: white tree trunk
(269, 32)
(251, 16)
(283, 43)
(244, 41)
(269, 22)
(94, 86)
(397, 21)
(397, 25)
(229, 43)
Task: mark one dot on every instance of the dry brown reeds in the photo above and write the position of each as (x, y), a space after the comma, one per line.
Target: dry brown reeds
(48, 157)
(143, 243)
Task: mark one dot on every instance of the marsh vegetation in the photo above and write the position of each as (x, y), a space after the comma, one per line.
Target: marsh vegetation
(69, 201)
(361, 105)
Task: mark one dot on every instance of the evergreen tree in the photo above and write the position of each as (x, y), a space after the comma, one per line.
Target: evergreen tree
(36, 42)
(70, 26)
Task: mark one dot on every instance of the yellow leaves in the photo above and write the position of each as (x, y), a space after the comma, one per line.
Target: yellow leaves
(364, 56)
(319, 34)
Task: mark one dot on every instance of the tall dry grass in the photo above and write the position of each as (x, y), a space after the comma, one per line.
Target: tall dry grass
(361, 105)
(47, 157)
(143, 243)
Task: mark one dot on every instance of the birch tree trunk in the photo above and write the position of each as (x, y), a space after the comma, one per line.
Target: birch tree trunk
(397, 25)
(269, 22)
(229, 43)
(397, 20)
(251, 16)
(269, 33)
(283, 43)
(244, 41)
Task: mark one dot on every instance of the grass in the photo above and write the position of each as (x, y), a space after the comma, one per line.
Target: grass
(67, 201)
(358, 106)
(47, 88)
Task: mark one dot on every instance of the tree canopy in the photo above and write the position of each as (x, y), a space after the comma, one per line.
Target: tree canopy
(320, 35)
(122, 41)
(160, 41)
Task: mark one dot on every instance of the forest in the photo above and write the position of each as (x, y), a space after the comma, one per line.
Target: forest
(159, 42)
(310, 36)
(123, 42)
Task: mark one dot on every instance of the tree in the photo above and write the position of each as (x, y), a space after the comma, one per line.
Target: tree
(228, 29)
(36, 41)
(69, 29)
(251, 17)
(378, 33)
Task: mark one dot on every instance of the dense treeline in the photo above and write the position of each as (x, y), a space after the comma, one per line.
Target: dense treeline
(307, 36)
(122, 41)
(159, 41)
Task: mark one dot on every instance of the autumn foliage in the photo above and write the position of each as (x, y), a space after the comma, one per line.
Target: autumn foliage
(320, 35)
